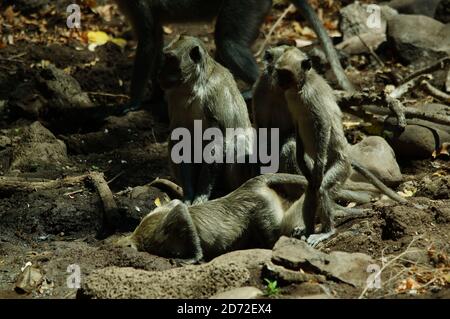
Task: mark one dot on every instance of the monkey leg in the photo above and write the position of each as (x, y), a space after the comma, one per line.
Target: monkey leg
(359, 197)
(332, 181)
(206, 182)
(305, 163)
(149, 50)
(237, 27)
(288, 158)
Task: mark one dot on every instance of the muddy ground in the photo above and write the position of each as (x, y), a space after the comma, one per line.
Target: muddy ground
(58, 227)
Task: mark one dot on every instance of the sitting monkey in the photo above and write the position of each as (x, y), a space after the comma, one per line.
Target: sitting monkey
(201, 92)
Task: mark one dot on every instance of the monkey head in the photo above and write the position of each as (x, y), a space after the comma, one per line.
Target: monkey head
(292, 69)
(163, 232)
(271, 57)
(143, 236)
(185, 60)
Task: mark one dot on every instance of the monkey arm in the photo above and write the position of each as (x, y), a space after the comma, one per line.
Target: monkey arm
(187, 175)
(206, 182)
(184, 241)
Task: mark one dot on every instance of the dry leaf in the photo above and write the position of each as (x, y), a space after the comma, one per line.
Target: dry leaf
(97, 37)
(119, 42)
(167, 30)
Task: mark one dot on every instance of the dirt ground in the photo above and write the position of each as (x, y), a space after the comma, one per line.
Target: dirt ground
(59, 227)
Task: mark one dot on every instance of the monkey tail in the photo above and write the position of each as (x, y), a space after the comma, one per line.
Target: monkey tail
(377, 183)
(173, 190)
(327, 45)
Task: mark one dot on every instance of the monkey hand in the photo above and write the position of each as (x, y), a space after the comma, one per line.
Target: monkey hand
(299, 233)
(200, 199)
(185, 262)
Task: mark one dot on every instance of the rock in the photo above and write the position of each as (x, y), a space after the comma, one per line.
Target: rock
(421, 7)
(62, 90)
(239, 293)
(429, 41)
(310, 290)
(28, 280)
(298, 257)
(139, 120)
(4, 142)
(443, 11)
(354, 45)
(188, 282)
(355, 17)
(418, 142)
(35, 147)
(434, 187)
(377, 156)
(401, 221)
(286, 276)
(51, 95)
(252, 259)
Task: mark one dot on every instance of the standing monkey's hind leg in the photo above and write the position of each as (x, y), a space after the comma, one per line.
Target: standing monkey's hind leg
(332, 182)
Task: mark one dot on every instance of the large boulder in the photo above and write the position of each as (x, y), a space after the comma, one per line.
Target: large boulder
(429, 41)
(420, 141)
(422, 7)
(378, 157)
(36, 147)
(188, 282)
(294, 261)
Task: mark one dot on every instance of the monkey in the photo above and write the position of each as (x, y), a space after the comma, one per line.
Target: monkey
(236, 28)
(253, 216)
(321, 146)
(199, 89)
(270, 110)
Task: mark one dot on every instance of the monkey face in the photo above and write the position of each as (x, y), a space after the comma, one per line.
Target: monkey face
(272, 55)
(291, 69)
(170, 75)
(127, 242)
(183, 59)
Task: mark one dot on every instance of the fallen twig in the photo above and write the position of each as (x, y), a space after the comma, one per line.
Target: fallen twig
(109, 94)
(110, 209)
(441, 64)
(387, 265)
(272, 30)
(404, 88)
(365, 103)
(435, 92)
(10, 184)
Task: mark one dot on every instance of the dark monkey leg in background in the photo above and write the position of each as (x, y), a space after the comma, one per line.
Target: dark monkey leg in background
(237, 27)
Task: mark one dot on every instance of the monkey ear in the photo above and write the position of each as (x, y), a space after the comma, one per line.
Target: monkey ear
(306, 64)
(196, 54)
